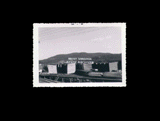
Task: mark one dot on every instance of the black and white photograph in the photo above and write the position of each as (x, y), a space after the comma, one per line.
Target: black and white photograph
(79, 55)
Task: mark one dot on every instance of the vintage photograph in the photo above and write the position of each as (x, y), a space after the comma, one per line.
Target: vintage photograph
(79, 54)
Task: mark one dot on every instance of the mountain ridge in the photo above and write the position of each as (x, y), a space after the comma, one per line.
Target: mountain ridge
(96, 57)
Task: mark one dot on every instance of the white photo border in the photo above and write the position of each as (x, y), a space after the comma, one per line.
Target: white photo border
(88, 84)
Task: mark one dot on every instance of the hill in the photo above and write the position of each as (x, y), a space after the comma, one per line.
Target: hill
(96, 57)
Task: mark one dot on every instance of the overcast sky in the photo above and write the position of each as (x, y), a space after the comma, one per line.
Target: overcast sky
(64, 40)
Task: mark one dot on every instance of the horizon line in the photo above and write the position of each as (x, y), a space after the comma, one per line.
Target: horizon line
(78, 52)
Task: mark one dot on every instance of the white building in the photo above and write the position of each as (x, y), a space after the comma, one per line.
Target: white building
(113, 66)
(71, 68)
(52, 69)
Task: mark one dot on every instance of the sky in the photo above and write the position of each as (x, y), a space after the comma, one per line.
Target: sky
(65, 40)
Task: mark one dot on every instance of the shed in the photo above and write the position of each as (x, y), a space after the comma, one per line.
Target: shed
(66, 68)
(62, 68)
(102, 67)
(87, 67)
(113, 66)
(71, 68)
(79, 66)
(52, 69)
(84, 66)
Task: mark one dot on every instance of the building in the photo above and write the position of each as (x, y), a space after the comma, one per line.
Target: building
(87, 67)
(102, 67)
(71, 68)
(52, 69)
(79, 66)
(108, 67)
(84, 66)
(115, 66)
(66, 68)
(62, 68)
